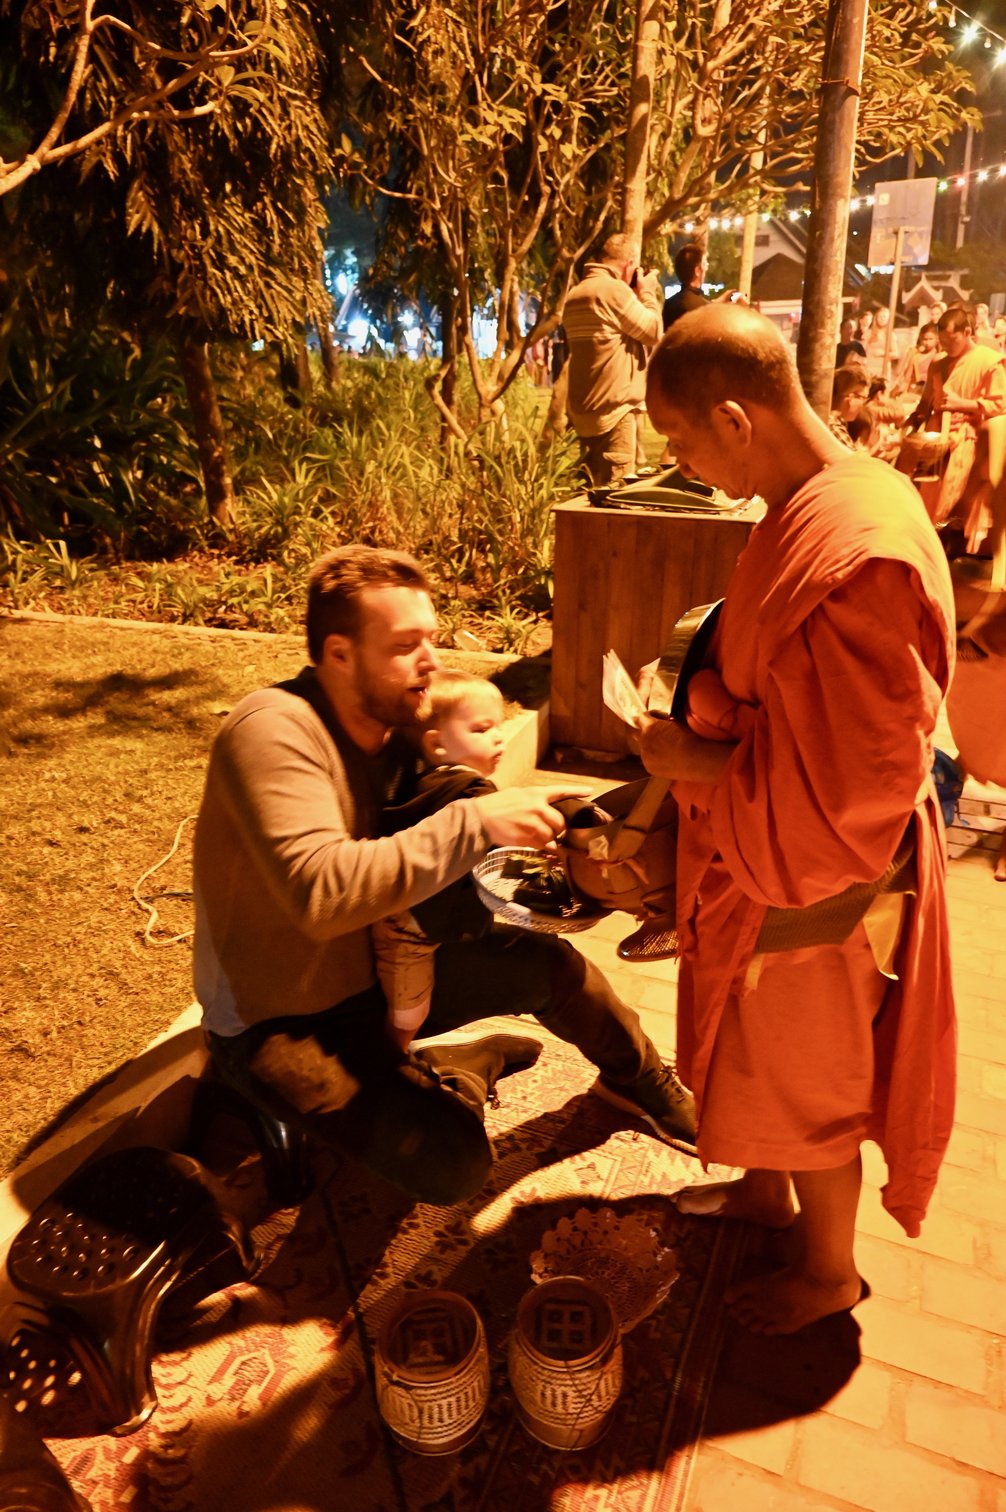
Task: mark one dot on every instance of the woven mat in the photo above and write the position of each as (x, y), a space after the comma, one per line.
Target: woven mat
(266, 1397)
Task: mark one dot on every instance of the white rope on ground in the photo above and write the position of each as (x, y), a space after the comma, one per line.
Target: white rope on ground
(149, 905)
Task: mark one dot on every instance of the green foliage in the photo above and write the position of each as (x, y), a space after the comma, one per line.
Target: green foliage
(30, 571)
(493, 140)
(982, 265)
(364, 463)
(94, 439)
(723, 259)
(203, 221)
(735, 81)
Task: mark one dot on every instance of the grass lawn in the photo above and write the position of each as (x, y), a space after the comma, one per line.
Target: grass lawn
(105, 730)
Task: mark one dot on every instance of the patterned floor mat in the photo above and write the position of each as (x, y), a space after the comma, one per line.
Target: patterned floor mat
(266, 1400)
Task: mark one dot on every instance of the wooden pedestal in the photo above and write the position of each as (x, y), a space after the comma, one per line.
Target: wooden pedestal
(622, 578)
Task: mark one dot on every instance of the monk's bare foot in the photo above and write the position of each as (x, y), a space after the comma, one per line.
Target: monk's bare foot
(787, 1300)
(736, 1199)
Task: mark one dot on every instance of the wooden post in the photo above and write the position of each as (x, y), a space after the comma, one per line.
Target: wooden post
(899, 242)
(834, 159)
(746, 273)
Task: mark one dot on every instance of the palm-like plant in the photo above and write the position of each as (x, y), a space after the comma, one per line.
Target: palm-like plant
(197, 223)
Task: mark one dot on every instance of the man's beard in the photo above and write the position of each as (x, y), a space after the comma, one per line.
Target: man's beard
(397, 710)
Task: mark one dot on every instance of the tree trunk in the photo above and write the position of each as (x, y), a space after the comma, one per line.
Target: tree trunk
(329, 353)
(295, 371)
(556, 421)
(194, 361)
(750, 231)
(637, 136)
(515, 334)
(449, 360)
(834, 160)
(326, 341)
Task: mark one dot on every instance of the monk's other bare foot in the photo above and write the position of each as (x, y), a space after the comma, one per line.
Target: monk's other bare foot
(787, 1300)
(736, 1199)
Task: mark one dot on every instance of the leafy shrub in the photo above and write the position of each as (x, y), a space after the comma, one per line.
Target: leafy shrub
(94, 438)
(104, 460)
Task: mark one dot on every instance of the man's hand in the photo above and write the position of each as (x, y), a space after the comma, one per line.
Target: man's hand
(646, 281)
(523, 816)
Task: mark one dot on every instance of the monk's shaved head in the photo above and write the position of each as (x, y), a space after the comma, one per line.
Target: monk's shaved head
(721, 353)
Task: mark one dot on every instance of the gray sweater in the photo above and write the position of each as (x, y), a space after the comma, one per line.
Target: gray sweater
(609, 330)
(287, 876)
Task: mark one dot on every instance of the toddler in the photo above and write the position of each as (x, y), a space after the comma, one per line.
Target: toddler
(462, 744)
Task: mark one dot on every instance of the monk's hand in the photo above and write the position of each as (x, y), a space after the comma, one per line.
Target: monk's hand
(524, 816)
(644, 681)
(958, 404)
(669, 749)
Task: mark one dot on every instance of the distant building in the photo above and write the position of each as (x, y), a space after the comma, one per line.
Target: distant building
(777, 280)
(930, 286)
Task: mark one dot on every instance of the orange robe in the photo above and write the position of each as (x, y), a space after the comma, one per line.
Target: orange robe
(979, 374)
(837, 632)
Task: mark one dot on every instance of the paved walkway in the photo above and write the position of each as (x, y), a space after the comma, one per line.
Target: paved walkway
(903, 1404)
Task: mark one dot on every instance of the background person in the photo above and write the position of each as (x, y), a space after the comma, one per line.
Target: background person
(814, 1006)
(611, 319)
(968, 383)
(911, 375)
(849, 349)
(875, 340)
(850, 391)
(690, 265)
(984, 334)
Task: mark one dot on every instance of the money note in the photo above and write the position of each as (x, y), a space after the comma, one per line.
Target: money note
(619, 691)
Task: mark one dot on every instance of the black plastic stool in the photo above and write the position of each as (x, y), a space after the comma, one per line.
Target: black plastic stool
(95, 1260)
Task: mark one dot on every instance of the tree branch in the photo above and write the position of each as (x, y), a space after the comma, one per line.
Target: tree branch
(201, 62)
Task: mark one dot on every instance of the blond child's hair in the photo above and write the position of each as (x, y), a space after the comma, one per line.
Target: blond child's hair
(449, 688)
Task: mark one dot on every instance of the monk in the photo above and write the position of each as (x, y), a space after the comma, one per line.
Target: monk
(815, 1006)
(967, 382)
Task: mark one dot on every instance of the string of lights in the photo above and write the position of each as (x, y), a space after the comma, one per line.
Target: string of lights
(734, 220)
(973, 30)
